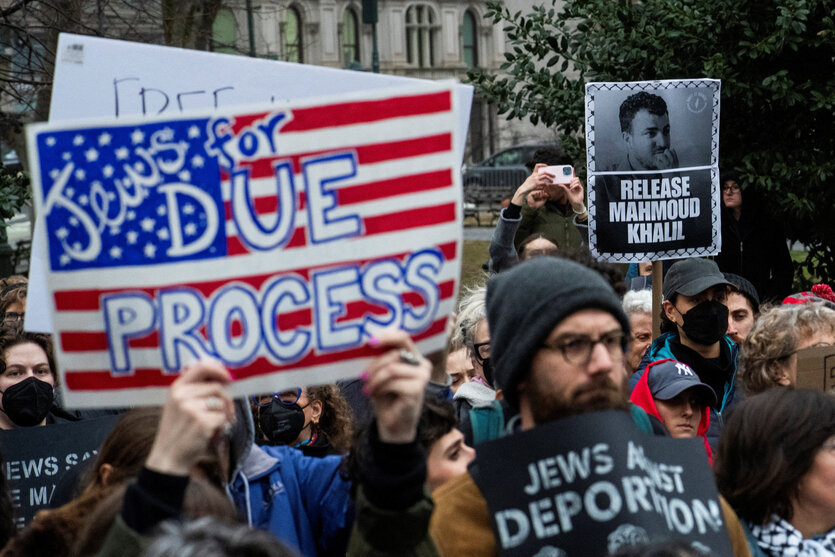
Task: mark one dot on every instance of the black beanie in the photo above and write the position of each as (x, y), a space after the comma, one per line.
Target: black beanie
(744, 287)
(526, 302)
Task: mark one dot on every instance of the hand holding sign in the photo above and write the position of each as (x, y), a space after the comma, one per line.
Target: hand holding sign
(193, 417)
(395, 382)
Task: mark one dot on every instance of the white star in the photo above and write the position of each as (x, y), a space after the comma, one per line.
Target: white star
(116, 252)
(115, 229)
(193, 132)
(147, 224)
(184, 175)
(137, 136)
(80, 174)
(76, 246)
(104, 139)
(138, 166)
(78, 140)
(122, 153)
(54, 173)
(162, 234)
(62, 233)
(107, 171)
(132, 236)
(188, 209)
(161, 210)
(111, 195)
(190, 229)
(73, 221)
(83, 199)
(50, 141)
(66, 156)
(197, 161)
(131, 214)
(64, 259)
(150, 250)
(69, 191)
(91, 155)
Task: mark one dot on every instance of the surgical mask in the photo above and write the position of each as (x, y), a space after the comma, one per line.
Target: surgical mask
(28, 402)
(281, 423)
(705, 323)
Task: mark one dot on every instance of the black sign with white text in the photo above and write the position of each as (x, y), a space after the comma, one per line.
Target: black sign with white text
(590, 484)
(653, 150)
(35, 458)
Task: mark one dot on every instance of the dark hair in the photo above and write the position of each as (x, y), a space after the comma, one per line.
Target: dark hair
(667, 326)
(523, 255)
(436, 420)
(201, 499)
(548, 155)
(337, 421)
(637, 102)
(12, 289)
(677, 548)
(13, 334)
(612, 273)
(768, 444)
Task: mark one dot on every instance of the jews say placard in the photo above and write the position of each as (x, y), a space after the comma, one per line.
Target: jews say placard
(591, 484)
(653, 151)
(276, 240)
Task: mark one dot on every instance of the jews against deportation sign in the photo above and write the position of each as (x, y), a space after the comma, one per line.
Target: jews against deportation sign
(590, 484)
(35, 459)
(275, 240)
(653, 152)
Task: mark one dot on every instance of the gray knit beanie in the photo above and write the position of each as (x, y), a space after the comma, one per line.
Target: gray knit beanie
(525, 303)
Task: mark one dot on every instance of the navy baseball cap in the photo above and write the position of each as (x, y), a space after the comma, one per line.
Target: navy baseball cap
(668, 378)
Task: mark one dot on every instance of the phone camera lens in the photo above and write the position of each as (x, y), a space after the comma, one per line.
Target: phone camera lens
(566, 171)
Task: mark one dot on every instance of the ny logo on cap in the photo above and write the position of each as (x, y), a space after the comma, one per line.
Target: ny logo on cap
(684, 369)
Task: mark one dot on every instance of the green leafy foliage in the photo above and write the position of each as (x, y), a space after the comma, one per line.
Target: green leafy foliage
(14, 192)
(776, 60)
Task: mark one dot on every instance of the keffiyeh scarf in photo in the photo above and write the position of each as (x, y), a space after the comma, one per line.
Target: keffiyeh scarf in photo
(778, 537)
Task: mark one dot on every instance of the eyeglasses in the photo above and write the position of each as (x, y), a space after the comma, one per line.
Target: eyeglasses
(731, 187)
(481, 351)
(577, 350)
(12, 316)
(287, 398)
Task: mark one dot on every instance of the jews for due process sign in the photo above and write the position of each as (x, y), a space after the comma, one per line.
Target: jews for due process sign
(590, 484)
(277, 240)
(653, 151)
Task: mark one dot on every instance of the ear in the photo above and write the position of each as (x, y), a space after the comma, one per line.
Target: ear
(105, 473)
(670, 311)
(627, 137)
(316, 408)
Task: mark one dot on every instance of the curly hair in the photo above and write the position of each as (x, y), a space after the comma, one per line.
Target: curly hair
(13, 334)
(765, 353)
(775, 337)
(472, 310)
(637, 102)
(337, 421)
(12, 290)
(768, 445)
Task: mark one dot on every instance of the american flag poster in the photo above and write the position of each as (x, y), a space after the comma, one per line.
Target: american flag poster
(276, 240)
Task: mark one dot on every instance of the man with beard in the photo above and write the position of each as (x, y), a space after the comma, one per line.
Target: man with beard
(558, 337)
(645, 128)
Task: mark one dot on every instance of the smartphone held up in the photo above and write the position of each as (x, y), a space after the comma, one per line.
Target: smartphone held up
(563, 174)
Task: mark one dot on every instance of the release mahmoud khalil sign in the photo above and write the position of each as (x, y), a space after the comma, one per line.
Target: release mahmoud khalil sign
(275, 240)
(653, 151)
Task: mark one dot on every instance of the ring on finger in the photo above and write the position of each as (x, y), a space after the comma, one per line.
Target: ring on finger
(410, 358)
(213, 403)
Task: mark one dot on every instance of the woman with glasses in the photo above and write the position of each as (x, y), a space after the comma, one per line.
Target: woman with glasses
(13, 299)
(316, 420)
(753, 245)
(776, 467)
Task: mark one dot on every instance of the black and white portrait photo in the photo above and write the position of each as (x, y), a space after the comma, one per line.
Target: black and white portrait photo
(652, 152)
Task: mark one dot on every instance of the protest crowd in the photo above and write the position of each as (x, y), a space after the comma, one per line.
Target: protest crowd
(417, 455)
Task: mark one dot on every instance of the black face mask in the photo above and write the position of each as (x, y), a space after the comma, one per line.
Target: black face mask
(27, 403)
(706, 323)
(281, 423)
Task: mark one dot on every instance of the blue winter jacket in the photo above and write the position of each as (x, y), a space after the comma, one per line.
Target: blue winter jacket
(661, 348)
(301, 500)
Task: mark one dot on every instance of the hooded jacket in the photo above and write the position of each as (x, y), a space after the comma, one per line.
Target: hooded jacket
(642, 397)
(666, 345)
(303, 501)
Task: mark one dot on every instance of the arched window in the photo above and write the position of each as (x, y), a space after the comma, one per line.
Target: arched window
(293, 47)
(350, 37)
(469, 40)
(224, 32)
(420, 43)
